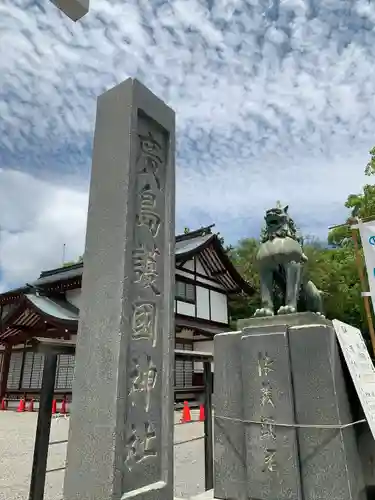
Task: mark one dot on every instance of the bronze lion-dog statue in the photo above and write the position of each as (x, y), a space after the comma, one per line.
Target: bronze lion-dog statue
(280, 260)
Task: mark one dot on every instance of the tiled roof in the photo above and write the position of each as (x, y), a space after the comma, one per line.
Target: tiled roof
(52, 308)
(185, 243)
(203, 241)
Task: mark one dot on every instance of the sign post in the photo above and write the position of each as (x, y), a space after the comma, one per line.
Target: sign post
(360, 367)
(362, 278)
(354, 224)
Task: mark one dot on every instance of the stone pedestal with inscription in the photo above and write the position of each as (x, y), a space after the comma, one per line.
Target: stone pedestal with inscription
(280, 403)
(121, 430)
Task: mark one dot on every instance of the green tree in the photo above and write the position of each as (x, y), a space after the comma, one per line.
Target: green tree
(361, 205)
(335, 273)
(243, 257)
(370, 167)
(73, 262)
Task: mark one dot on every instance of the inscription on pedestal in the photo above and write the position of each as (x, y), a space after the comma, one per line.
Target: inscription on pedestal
(267, 427)
(271, 450)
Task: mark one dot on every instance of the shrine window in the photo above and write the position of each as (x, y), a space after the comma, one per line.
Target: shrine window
(185, 291)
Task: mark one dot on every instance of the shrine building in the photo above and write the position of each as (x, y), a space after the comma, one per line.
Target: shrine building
(49, 308)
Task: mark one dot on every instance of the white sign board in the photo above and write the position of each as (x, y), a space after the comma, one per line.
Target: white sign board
(360, 367)
(367, 233)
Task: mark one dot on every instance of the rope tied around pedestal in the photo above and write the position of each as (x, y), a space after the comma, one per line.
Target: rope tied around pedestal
(294, 425)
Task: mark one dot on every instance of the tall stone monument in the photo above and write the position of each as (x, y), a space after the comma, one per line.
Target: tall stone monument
(121, 429)
(283, 427)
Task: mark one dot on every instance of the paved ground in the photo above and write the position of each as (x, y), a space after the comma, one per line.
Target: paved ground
(17, 433)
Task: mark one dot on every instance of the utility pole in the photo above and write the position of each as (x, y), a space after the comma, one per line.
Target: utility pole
(63, 254)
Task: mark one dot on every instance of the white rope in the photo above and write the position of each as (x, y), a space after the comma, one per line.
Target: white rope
(299, 426)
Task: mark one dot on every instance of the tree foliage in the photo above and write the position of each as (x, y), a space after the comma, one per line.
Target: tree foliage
(370, 167)
(72, 262)
(361, 205)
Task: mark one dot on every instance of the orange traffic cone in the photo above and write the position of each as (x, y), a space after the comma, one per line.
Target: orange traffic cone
(3, 406)
(21, 406)
(186, 415)
(201, 413)
(31, 405)
(54, 407)
(63, 407)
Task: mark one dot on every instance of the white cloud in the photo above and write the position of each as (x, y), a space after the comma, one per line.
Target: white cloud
(275, 99)
(36, 219)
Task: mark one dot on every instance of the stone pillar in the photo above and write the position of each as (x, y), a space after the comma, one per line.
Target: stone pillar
(7, 354)
(229, 435)
(271, 452)
(74, 9)
(321, 399)
(121, 430)
(254, 460)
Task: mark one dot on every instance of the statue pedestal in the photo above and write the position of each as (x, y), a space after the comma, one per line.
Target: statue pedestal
(282, 370)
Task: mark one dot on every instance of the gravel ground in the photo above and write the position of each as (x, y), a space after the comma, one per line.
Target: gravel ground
(17, 433)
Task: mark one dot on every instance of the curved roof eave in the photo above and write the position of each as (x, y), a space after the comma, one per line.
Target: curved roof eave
(52, 310)
(20, 323)
(192, 247)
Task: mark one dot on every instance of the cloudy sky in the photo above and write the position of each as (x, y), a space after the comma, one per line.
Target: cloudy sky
(275, 100)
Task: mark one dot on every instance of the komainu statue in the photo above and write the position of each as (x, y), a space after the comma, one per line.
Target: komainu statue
(281, 260)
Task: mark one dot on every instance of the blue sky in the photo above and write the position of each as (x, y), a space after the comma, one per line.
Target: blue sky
(274, 101)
